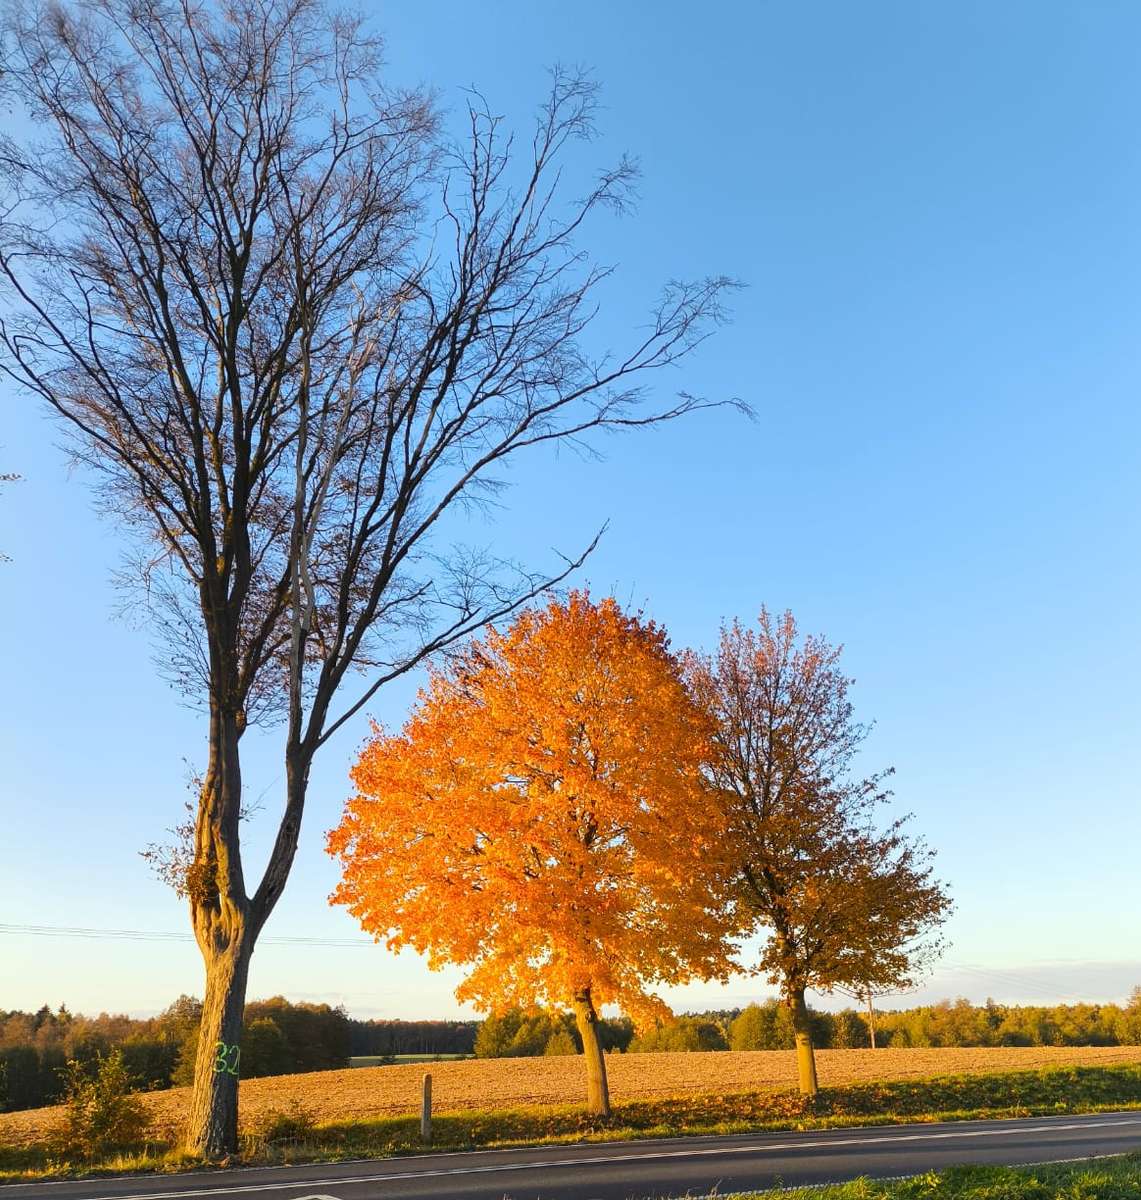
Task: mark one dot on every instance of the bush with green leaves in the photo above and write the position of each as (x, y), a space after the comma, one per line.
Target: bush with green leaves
(101, 1111)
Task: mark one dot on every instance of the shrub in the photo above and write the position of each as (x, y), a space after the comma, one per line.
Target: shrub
(101, 1111)
(294, 1123)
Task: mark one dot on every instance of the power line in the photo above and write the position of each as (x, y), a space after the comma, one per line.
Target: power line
(1012, 979)
(162, 935)
(1006, 978)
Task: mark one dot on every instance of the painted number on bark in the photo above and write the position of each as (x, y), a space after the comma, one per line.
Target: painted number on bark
(226, 1058)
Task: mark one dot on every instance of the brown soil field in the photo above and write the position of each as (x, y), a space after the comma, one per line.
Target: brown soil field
(512, 1082)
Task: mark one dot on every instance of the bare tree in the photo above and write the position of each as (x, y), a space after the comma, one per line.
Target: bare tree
(294, 329)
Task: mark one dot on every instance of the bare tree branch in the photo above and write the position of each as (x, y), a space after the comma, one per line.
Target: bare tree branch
(295, 329)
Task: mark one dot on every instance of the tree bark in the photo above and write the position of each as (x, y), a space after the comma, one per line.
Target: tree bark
(213, 1126)
(597, 1089)
(871, 1021)
(225, 932)
(805, 1055)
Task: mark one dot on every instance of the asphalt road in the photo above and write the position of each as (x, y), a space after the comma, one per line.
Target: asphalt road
(625, 1170)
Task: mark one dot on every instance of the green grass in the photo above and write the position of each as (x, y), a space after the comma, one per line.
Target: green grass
(1049, 1092)
(1092, 1179)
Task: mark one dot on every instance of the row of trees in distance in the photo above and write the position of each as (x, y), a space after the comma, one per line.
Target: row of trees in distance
(278, 1038)
(768, 1026)
(574, 814)
(158, 1051)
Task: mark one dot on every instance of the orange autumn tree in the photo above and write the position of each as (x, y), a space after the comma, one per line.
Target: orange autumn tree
(539, 822)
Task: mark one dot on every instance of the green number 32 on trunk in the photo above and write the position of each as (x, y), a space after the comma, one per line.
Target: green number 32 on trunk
(226, 1058)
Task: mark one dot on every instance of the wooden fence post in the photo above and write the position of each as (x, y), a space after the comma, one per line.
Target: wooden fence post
(426, 1111)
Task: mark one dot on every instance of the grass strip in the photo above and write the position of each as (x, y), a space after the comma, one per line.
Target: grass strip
(1090, 1179)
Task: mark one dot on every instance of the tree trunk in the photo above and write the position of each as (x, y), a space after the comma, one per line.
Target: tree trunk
(225, 932)
(227, 923)
(597, 1089)
(871, 1021)
(805, 1056)
(213, 1125)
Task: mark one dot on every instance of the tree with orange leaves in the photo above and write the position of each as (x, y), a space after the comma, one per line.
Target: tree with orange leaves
(540, 821)
(844, 903)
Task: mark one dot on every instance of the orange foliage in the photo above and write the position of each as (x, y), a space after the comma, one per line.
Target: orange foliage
(539, 819)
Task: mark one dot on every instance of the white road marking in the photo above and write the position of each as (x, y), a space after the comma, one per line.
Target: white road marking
(612, 1159)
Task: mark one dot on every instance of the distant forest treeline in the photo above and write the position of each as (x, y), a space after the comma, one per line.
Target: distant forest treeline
(387, 1038)
(281, 1038)
(278, 1038)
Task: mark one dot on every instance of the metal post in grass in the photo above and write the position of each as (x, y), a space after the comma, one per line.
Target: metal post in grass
(426, 1110)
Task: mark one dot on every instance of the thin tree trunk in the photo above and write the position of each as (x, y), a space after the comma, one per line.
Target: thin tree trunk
(805, 1055)
(597, 1089)
(871, 1021)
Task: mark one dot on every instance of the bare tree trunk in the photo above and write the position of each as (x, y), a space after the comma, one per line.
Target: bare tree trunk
(597, 1089)
(871, 1021)
(213, 1126)
(225, 933)
(805, 1055)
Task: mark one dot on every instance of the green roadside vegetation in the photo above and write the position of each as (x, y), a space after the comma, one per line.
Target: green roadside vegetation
(298, 1134)
(1091, 1179)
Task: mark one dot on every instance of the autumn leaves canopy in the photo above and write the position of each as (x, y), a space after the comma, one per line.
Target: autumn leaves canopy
(574, 814)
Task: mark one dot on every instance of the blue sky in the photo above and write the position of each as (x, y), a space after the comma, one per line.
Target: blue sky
(935, 211)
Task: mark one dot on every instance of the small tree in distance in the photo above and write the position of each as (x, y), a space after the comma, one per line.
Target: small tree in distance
(842, 903)
(539, 822)
(100, 1109)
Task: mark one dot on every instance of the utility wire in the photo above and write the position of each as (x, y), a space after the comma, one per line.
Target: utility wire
(1006, 978)
(160, 935)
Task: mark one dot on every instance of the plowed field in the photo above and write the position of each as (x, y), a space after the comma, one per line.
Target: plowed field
(512, 1082)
